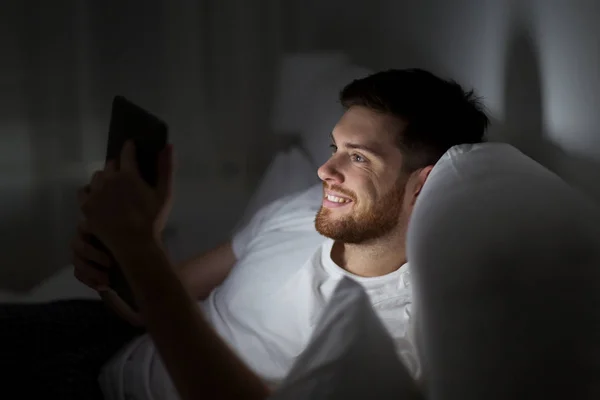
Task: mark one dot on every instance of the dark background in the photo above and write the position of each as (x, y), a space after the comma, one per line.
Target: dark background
(209, 68)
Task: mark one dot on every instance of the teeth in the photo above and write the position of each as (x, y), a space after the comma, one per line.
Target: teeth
(336, 199)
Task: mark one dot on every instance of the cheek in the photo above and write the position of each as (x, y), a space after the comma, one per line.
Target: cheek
(366, 195)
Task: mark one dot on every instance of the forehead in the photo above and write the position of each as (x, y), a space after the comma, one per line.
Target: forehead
(361, 125)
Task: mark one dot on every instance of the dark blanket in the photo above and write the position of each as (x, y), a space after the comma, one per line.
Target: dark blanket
(55, 350)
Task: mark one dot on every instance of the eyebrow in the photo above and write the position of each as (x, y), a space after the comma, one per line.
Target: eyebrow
(357, 146)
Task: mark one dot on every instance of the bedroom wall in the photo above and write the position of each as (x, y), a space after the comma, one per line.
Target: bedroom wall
(535, 62)
(208, 67)
(205, 67)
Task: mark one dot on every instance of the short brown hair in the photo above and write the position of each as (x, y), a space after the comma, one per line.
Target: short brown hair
(439, 113)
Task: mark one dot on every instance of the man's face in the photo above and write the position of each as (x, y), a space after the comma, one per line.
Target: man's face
(363, 187)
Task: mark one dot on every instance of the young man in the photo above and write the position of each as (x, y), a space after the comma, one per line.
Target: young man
(263, 291)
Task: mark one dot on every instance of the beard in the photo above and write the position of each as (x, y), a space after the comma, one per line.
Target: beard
(360, 226)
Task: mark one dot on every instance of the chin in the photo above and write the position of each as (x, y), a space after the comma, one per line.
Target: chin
(351, 229)
(330, 226)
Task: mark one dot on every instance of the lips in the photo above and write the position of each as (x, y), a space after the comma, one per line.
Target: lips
(333, 199)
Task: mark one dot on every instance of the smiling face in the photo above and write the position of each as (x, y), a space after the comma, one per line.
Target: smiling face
(363, 184)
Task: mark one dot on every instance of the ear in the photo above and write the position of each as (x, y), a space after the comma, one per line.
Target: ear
(420, 176)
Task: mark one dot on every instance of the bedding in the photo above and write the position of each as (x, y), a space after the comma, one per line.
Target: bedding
(506, 272)
(350, 355)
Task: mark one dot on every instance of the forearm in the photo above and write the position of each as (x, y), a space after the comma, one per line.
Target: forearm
(122, 309)
(115, 303)
(203, 273)
(199, 362)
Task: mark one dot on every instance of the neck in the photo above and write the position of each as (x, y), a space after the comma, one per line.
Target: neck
(376, 258)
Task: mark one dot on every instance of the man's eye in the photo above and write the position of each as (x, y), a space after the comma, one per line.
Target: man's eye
(357, 158)
(333, 148)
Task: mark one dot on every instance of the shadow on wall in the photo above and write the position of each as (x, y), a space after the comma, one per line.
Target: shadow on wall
(523, 124)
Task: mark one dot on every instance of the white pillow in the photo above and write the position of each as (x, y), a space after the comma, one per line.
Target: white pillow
(289, 172)
(350, 356)
(506, 273)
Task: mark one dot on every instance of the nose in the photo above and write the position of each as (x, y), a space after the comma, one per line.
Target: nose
(329, 173)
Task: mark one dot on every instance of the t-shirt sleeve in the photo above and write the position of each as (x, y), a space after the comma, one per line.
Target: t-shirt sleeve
(307, 201)
(242, 237)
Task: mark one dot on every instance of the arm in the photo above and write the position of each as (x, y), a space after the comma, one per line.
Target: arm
(200, 274)
(121, 212)
(200, 363)
(203, 273)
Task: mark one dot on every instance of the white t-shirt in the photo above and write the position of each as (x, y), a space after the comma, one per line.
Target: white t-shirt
(268, 306)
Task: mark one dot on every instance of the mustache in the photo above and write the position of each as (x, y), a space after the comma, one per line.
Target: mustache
(336, 188)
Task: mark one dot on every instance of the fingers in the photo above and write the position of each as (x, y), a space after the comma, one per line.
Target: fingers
(89, 275)
(128, 161)
(90, 263)
(82, 248)
(111, 167)
(166, 167)
(96, 182)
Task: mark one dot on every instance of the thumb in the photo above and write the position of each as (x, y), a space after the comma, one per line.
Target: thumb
(166, 166)
(128, 159)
